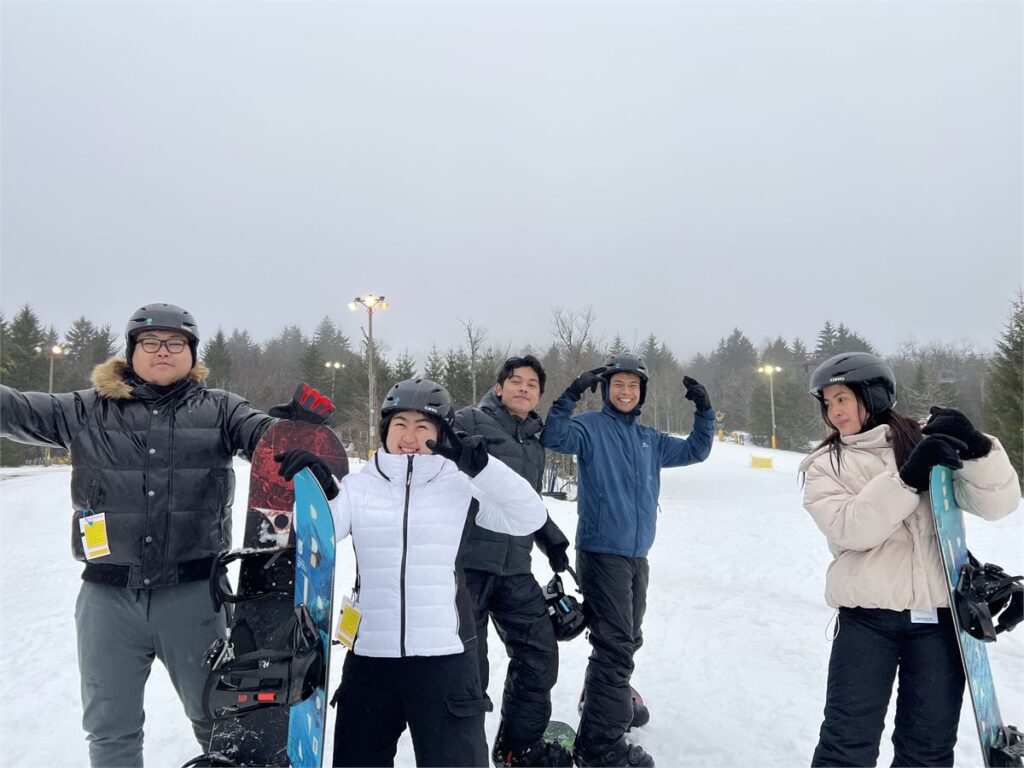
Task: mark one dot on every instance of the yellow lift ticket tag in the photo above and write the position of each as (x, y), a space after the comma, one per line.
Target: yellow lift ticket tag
(348, 623)
(94, 535)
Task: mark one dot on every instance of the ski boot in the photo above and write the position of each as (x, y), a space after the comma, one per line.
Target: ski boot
(622, 753)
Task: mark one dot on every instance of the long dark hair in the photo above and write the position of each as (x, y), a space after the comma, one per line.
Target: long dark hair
(904, 433)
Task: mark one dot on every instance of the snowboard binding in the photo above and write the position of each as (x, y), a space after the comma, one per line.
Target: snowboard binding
(566, 612)
(276, 569)
(984, 594)
(1008, 749)
(243, 679)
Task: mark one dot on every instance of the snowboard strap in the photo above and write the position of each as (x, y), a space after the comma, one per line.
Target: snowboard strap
(265, 677)
(984, 593)
(1008, 749)
(277, 573)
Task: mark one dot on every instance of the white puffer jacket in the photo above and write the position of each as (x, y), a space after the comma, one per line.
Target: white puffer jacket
(880, 533)
(407, 515)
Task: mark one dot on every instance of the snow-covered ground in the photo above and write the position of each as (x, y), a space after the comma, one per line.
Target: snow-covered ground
(733, 665)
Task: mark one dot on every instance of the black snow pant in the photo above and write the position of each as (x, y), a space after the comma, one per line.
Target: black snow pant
(871, 646)
(615, 595)
(516, 604)
(438, 697)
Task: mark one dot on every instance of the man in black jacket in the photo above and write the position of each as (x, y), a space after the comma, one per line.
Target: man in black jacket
(151, 486)
(498, 571)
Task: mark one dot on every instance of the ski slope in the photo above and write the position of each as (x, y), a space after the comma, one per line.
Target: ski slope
(733, 665)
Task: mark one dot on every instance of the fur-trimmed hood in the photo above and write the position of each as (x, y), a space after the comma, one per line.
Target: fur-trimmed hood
(111, 378)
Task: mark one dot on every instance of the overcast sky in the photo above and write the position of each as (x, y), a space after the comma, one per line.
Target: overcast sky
(683, 168)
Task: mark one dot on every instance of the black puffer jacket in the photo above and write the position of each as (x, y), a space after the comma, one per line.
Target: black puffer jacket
(158, 466)
(517, 443)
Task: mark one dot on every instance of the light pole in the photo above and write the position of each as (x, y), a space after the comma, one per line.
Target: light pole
(53, 352)
(333, 365)
(770, 371)
(370, 303)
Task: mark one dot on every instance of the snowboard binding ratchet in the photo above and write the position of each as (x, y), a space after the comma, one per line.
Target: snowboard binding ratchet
(988, 600)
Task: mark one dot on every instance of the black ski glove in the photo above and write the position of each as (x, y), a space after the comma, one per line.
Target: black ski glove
(583, 382)
(294, 461)
(695, 391)
(933, 451)
(307, 405)
(558, 558)
(950, 421)
(468, 453)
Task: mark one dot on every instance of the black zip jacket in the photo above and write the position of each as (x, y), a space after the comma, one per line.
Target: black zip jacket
(517, 443)
(158, 464)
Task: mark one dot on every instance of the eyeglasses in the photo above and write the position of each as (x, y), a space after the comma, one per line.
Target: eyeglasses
(174, 346)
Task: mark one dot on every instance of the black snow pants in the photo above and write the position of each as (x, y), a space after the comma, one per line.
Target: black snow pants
(516, 604)
(438, 697)
(615, 595)
(871, 646)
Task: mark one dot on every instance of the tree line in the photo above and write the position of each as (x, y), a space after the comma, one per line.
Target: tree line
(986, 386)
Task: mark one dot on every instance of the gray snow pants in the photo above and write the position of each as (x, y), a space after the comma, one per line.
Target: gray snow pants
(120, 632)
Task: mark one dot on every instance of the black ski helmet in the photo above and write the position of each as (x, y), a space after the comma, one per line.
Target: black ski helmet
(625, 364)
(163, 317)
(869, 374)
(566, 612)
(421, 395)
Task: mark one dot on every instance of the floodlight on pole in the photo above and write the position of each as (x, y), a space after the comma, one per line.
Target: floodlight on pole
(333, 366)
(371, 304)
(770, 371)
(55, 351)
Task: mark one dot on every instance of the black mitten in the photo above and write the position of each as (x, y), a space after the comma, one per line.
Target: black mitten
(468, 453)
(695, 391)
(950, 421)
(933, 451)
(307, 405)
(294, 461)
(583, 382)
(558, 558)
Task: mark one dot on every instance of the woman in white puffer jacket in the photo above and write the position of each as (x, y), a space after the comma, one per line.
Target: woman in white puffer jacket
(414, 661)
(866, 488)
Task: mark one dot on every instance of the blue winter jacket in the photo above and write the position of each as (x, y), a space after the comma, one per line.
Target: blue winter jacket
(620, 463)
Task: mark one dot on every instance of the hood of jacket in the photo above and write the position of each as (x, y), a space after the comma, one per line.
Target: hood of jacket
(115, 380)
(392, 467)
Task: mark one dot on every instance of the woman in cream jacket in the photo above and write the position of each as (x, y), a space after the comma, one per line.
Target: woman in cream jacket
(866, 488)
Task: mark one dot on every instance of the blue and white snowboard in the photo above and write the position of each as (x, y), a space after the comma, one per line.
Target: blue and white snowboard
(314, 588)
(949, 526)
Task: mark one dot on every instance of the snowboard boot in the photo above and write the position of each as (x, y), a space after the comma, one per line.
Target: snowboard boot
(623, 753)
(545, 753)
(641, 714)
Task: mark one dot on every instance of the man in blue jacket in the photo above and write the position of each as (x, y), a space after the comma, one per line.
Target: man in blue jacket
(619, 480)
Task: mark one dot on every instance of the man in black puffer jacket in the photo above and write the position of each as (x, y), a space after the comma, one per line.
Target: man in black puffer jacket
(499, 573)
(151, 451)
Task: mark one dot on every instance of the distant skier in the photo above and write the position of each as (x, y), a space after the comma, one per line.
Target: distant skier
(499, 574)
(151, 487)
(866, 488)
(414, 662)
(620, 462)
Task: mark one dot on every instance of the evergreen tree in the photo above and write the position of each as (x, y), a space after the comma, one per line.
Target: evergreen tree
(405, 367)
(849, 341)
(826, 343)
(1004, 394)
(433, 369)
(314, 372)
(457, 379)
(217, 358)
(28, 367)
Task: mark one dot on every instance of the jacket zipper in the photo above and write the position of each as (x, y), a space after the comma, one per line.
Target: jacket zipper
(405, 549)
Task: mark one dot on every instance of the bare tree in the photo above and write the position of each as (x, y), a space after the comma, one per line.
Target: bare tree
(475, 337)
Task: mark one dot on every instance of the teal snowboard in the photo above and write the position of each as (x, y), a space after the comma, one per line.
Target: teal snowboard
(561, 733)
(949, 527)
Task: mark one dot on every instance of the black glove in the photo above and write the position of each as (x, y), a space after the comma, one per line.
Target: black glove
(558, 558)
(468, 453)
(583, 382)
(695, 391)
(949, 421)
(933, 451)
(294, 461)
(307, 405)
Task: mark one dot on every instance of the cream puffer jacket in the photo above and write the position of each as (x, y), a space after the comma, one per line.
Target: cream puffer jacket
(881, 533)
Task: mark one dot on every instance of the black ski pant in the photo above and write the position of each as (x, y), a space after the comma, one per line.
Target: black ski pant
(438, 697)
(615, 595)
(871, 647)
(516, 604)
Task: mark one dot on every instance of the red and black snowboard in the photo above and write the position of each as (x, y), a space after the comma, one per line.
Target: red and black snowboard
(251, 673)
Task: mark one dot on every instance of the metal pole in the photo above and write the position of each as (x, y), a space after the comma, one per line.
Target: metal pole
(771, 391)
(334, 374)
(49, 391)
(369, 354)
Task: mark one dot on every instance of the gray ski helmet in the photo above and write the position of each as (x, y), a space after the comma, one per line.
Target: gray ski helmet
(625, 364)
(162, 317)
(869, 374)
(421, 395)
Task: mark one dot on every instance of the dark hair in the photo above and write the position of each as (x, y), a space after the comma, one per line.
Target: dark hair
(904, 432)
(526, 361)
